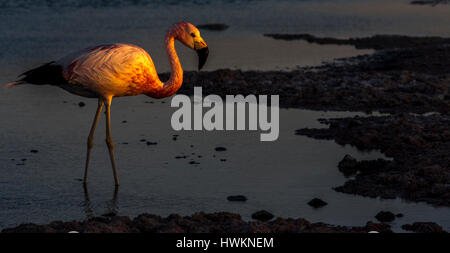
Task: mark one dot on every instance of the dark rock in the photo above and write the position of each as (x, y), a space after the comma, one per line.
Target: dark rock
(424, 227)
(30, 228)
(385, 216)
(220, 149)
(399, 215)
(81, 104)
(149, 143)
(110, 214)
(262, 215)
(317, 203)
(34, 151)
(213, 27)
(237, 198)
(379, 227)
(348, 165)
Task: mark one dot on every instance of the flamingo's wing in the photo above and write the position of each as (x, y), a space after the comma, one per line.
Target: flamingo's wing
(115, 69)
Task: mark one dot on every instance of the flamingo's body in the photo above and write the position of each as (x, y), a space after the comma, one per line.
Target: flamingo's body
(117, 70)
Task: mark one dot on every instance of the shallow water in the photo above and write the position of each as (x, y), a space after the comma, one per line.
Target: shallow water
(279, 176)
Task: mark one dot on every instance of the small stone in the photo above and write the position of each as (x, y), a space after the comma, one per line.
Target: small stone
(385, 216)
(110, 214)
(124, 121)
(34, 151)
(317, 203)
(348, 165)
(149, 143)
(237, 198)
(220, 149)
(193, 162)
(262, 215)
(399, 215)
(81, 104)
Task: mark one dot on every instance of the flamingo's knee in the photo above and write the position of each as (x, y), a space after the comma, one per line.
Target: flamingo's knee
(90, 142)
(110, 143)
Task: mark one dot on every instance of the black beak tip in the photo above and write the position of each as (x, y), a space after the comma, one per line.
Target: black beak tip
(202, 56)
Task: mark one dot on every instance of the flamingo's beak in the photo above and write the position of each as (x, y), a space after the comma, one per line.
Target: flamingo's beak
(202, 51)
(202, 56)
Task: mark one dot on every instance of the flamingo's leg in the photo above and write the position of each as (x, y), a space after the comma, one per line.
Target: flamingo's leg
(90, 142)
(109, 141)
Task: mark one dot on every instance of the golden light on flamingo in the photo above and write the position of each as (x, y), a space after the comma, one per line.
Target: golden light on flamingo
(117, 70)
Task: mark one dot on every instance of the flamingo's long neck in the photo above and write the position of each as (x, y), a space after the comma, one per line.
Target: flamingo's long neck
(176, 72)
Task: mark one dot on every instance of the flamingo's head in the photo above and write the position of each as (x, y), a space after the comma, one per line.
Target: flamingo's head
(189, 35)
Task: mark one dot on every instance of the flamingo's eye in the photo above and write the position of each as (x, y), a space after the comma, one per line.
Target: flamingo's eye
(193, 35)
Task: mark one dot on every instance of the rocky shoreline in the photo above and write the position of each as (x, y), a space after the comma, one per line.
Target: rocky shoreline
(419, 146)
(409, 79)
(196, 223)
(377, 42)
(222, 222)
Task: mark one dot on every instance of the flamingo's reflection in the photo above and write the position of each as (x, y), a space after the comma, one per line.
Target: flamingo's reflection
(111, 205)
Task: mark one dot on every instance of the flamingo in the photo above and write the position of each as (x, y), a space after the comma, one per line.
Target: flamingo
(117, 70)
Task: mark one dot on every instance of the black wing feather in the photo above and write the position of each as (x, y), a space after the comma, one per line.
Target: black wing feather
(48, 73)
